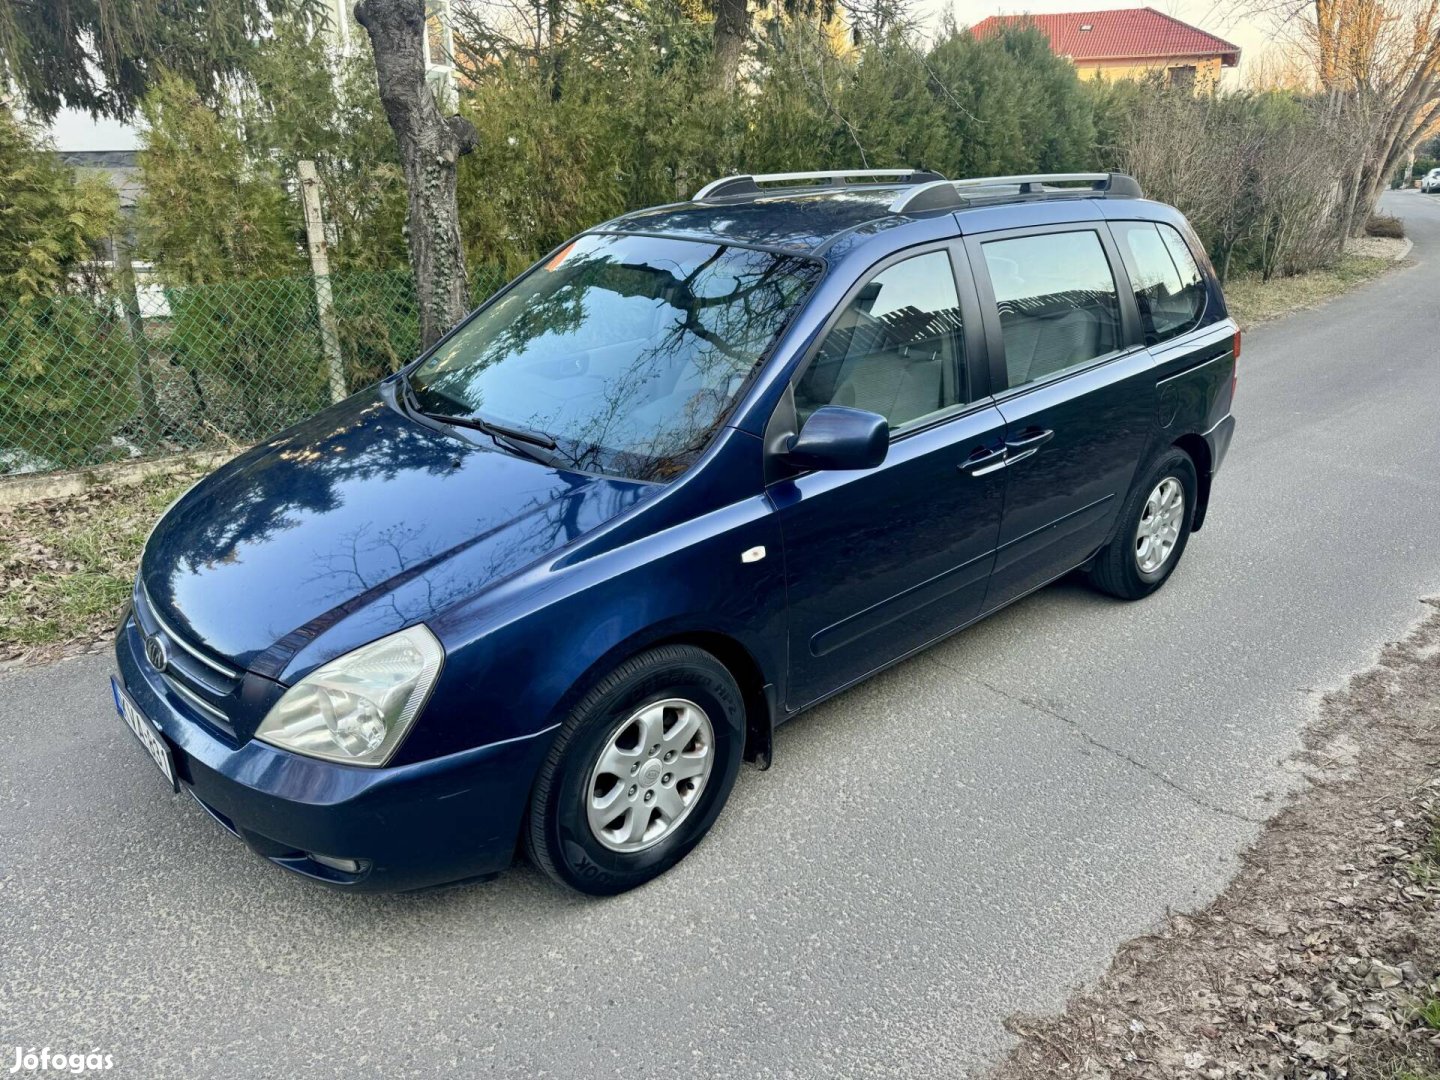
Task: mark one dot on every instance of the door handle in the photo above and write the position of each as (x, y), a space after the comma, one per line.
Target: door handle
(1030, 439)
(986, 459)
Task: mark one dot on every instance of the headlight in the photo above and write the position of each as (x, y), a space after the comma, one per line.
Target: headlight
(356, 709)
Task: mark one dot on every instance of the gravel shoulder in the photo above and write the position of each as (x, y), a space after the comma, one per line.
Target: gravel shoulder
(1322, 957)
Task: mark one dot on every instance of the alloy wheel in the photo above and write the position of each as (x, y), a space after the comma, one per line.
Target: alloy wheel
(1159, 528)
(650, 774)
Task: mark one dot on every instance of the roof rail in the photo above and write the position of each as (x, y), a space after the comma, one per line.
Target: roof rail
(950, 194)
(749, 184)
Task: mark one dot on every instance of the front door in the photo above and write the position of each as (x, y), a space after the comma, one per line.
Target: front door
(1077, 390)
(880, 562)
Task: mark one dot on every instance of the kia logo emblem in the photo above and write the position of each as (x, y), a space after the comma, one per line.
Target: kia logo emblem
(157, 652)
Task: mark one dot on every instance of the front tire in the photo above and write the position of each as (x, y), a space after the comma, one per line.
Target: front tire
(639, 772)
(1154, 529)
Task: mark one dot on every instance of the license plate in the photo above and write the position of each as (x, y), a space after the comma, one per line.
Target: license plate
(146, 732)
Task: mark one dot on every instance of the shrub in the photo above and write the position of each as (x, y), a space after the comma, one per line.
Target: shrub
(378, 323)
(211, 210)
(636, 120)
(65, 370)
(51, 222)
(1386, 225)
(64, 356)
(251, 350)
(1254, 173)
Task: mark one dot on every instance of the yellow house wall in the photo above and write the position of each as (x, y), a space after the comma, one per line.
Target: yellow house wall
(1207, 69)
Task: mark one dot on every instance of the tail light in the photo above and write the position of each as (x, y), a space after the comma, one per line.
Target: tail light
(1235, 370)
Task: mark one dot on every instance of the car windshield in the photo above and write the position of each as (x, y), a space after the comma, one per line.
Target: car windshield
(627, 351)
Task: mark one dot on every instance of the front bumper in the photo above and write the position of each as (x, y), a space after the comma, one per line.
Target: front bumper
(409, 827)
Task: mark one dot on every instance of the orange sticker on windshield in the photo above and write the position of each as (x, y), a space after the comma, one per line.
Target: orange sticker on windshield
(559, 256)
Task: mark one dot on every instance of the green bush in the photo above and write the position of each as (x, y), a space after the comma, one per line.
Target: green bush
(211, 209)
(637, 121)
(378, 323)
(64, 357)
(252, 351)
(65, 390)
(51, 222)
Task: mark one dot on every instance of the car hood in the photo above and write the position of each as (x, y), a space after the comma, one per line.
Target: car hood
(358, 509)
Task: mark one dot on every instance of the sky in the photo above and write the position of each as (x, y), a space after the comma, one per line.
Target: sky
(77, 131)
(74, 130)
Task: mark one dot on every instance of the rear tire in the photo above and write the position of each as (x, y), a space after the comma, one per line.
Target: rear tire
(639, 772)
(1153, 531)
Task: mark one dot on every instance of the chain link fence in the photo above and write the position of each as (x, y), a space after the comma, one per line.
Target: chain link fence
(111, 373)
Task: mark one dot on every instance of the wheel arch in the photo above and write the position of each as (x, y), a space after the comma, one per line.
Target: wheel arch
(757, 691)
(1198, 451)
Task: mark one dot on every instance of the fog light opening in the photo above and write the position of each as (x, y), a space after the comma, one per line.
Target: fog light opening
(345, 866)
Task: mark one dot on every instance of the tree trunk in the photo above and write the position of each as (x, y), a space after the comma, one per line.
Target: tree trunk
(732, 29)
(130, 303)
(555, 45)
(430, 147)
(1402, 126)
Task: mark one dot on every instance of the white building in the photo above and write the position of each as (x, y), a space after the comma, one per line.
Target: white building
(439, 37)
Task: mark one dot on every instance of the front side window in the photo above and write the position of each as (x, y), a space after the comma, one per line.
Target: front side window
(1057, 302)
(895, 349)
(1169, 289)
(627, 351)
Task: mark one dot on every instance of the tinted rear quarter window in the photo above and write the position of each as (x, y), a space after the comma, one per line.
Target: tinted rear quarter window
(1057, 301)
(1169, 288)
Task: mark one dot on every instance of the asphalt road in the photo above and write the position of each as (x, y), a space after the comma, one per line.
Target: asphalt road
(969, 835)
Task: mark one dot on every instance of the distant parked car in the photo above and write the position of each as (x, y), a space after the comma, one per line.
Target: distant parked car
(1430, 182)
(698, 469)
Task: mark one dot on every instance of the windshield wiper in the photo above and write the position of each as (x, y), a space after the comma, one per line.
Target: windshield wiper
(532, 444)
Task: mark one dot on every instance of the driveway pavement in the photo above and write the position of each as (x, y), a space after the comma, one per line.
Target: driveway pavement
(969, 835)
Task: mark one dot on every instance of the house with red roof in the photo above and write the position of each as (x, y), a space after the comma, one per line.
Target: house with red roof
(1129, 43)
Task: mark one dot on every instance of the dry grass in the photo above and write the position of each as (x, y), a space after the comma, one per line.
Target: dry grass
(1253, 301)
(66, 565)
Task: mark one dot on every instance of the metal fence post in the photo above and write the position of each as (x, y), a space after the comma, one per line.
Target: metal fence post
(320, 268)
(130, 304)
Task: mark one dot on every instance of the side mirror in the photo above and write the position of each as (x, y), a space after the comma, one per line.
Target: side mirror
(836, 437)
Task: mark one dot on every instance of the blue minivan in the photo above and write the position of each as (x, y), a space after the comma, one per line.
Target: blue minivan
(697, 470)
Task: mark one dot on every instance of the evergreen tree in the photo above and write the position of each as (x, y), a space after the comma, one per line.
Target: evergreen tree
(103, 57)
(50, 221)
(211, 211)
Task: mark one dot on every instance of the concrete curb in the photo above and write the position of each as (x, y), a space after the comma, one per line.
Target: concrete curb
(26, 489)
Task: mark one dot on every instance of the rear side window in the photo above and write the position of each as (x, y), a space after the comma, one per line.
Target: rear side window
(1057, 301)
(1168, 287)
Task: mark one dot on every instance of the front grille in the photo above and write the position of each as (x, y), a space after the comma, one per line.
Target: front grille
(204, 687)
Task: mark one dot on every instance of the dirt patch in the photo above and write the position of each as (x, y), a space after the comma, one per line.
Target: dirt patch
(1320, 959)
(67, 564)
(1379, 247)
